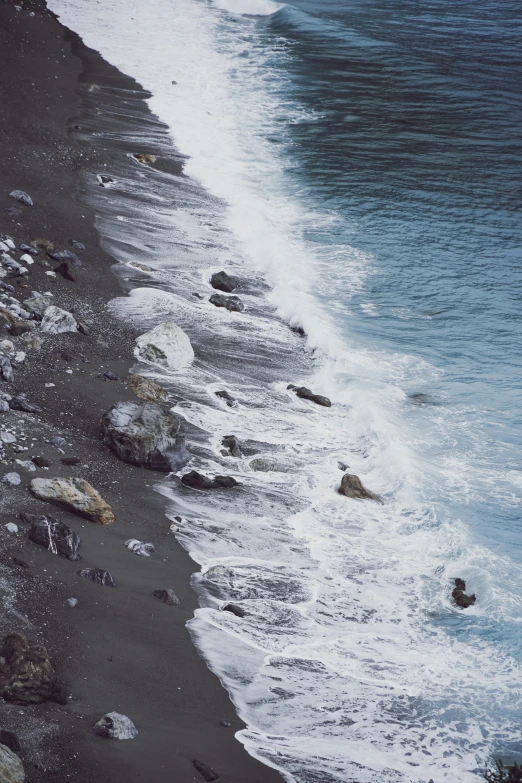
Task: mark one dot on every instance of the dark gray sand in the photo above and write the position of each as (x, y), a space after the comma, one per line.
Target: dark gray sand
(118, 649)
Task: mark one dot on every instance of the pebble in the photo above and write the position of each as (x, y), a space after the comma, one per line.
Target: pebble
(27, 464)
(26, 259)
(51, 274)
(11, 527)
(139, 547)
(22, 197)
(14, 479)
(58, 442)
(7, 437)
(110, 376)
(72, 602)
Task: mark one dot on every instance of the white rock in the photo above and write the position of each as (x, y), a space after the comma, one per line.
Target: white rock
(56, 321)
(27, 464)
(10, 244)
(51, 274)
(115, 726)
(26, 259)
(3, 247)
(139, 547)
(20, 357)
(13, 479)
(166, 345)
(49, 385)
(7, 437)
(72, 602)
(11, 527)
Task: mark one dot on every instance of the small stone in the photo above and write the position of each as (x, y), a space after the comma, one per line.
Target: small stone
(58, 442)
(72, 602)
(70, 460)
(306, 394)
(41, 462)
(139, 547)
(113, 725)
(6, 368)
(65, 255)
(32, 341)
(42, 244)
(27, 259)
(83, 329)
(21, 403)
(38, 303)
(27, 674)
(26, 464)
(77, 245)
(144, 157)
(167, 596)
(4, 406)
(459, 596)
(22, 197)
(238, 611)
(224, 395)
(263, 465)
(7, 437)
(223, 282)
(110, 376)
(58, 321)
(231, 443)
(98, 575)
(166, 345)
(225, 724)
(104, 180)
(32, 251)
(205, 771)
(11, 527)
(196, 480)
(13, 479)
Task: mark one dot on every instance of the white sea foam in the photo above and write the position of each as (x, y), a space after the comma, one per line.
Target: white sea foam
(344, 666)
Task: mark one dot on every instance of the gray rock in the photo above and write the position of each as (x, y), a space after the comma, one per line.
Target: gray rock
(231, 443)
(4, 406)
(352, 487)
(306, 394)
(231, 303)
(139, 547)
(145, 434)
(262, 464)
(98, 575)
(167, 596)
(58, 442)
(21, 403)
(113, 725)
(11, 768)
(196, 480)
(65, 255)
(223, 282)
(26, 674)
(58, 321)
(166, 345)
(22, 197)
(6, 369)
(77, 245)
(54, 535)
(13, 479)
(206, 772)
(224, 395)
(33, 251)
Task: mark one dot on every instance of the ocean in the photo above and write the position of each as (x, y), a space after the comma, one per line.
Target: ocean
(359, 165)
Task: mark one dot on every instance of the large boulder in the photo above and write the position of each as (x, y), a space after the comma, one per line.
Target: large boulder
(57, 321)
(38, 303)
(223, 282)
(11, 768)
(459, 596)
(26, 674)
(145, 389)
(146, 435)
(114, 725)
(54, 535)
(76, 495)
(197, 480)
(166, 345)
(352, 487)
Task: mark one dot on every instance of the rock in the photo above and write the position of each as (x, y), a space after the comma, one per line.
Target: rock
(98, 575)
(196, 480)
(224, 395)
(22, 197)
(6, 369)
(115, 726)
(460, 597)
(18, 328)
(225, 724)
(145, 434)
(66, 271)
(223, 282)
(352, 487)
(42, 244)
(26, 674)
(77, 245)
(33, 251)
(298, 330)
(11, 768)
(262, 464)
(10, 740)
(141, 267)
(32, 341)
(233, 609)
(167, 596)
(83, 328)
(65, 255)
(54, 535)
(342, 466)
(26, 464)
(306, 394)
(41, 462)
(140, 548)
(27, 259)
(70, 460)
(104, 179)
(232, 303)
(146, 389)
(4, 406)
(144, 157)
(13, 479)
(231, 443)
(58, 321)
(21, 403)
(75, 494)
(166, 345)
(7, 437)
(72, 602)
(205, 771)
(8, 240)
(11, 527)
(58, 442)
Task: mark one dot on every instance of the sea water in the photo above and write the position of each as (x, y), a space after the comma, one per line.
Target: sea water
(359, 161)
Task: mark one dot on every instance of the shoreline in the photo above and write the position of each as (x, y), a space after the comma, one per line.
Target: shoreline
(117, 649)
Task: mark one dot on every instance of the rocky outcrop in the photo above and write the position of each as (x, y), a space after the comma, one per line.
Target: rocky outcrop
(166, 596)
(231, 303)
(145, 434)
(113, 725)
(460, 597)
(146, 389)
(307, 394)
(98, 575)
(74, 494)
(54, 535)
(58, 321)
(11, 768)
(198, 481)
(166, 345)
(26, 674)
(223, 282)
(352, 487)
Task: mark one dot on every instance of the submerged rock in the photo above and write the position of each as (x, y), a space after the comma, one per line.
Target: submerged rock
(145, 434)
(263, 465)
(26, 674)
(54, 535)
(144, 157)
(75, 494)
(166, 345)
(11, 768)
(167, 596)
(198, 481)
(113, 725)
(232, 303)
(223, 282)
(460, 597)
(22, 197)
(224, 395)
(234, 609)
(352, 487)
(139, 547)
(307, 394)
(205, 771)
(58, 321)
(231, 443)
(98, 575)
(146, 389)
